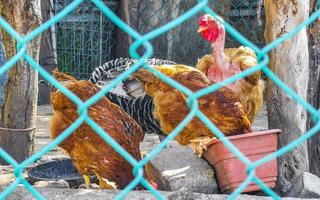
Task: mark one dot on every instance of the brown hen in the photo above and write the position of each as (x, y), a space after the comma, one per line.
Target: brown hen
(89, 152)
(223, 63)
(222, 107)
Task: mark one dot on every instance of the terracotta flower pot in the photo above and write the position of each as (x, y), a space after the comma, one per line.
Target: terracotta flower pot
(231, 172)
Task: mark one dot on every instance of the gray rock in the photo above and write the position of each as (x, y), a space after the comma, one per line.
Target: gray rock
(82, 194)
(93, 186)
(6, 179)
(52, 184)
(306, 186)
(182, 194)
(177, 166)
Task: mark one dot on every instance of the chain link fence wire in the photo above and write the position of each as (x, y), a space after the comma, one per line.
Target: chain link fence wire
(85, 38)
(188, 16)
(241, 14)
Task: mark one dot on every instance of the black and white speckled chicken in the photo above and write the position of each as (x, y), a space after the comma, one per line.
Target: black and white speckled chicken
(130, 94)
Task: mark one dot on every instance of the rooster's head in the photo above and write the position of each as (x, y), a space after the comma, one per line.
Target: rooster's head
(209, 28)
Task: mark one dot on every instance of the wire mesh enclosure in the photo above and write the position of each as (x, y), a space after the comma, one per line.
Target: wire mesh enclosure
(184, 18)
(175, 44)
(84, 39)
(246, 17)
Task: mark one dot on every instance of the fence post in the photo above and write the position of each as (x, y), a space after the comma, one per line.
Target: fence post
(314, 89)
(290, 61)
(123, 39)
(48, 54)
(18, 116)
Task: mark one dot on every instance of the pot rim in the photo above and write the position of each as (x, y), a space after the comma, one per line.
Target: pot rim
(252, 134)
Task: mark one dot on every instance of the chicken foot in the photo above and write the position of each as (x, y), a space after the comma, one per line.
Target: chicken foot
(199, 144)
(106, 184)
(143, 153)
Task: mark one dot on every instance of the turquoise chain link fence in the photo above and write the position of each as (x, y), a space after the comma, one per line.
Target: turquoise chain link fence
(85, 39)
(201, 6)
(243, 15)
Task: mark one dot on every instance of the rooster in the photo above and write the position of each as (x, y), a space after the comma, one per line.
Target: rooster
(223, 63)
(88, 151)
(223, 107)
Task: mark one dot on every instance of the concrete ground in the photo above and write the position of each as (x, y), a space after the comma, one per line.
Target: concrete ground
(84, 194)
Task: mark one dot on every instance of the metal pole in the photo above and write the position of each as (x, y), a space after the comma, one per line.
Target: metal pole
(53, 34)
(100, 39)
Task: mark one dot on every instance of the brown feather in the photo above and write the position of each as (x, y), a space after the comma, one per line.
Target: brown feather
(222, 107)
(89, 152)
(250, 88)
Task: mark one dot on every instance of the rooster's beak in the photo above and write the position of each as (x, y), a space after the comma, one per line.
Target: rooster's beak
(201, 29)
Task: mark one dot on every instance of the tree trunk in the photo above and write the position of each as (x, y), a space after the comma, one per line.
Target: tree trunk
(314, 89)
(290, 61)
(18, 117)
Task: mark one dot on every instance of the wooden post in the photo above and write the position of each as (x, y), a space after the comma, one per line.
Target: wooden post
(18, 116)
(290, 61)
(314, 89)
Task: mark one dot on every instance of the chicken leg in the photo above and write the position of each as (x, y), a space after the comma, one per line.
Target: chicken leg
(87, 181)
(199, 144)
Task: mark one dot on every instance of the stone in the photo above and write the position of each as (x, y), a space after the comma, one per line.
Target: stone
(306, 186)
(52, 184)
(93, 186)
(22, 193)
(177, 166)
(6, 179)
(182, 194)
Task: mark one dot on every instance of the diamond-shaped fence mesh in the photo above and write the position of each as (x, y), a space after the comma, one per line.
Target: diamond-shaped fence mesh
(84, 38)
(242, 15)
(188, 15)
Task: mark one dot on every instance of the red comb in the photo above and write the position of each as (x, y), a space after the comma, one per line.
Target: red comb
(214, 27)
